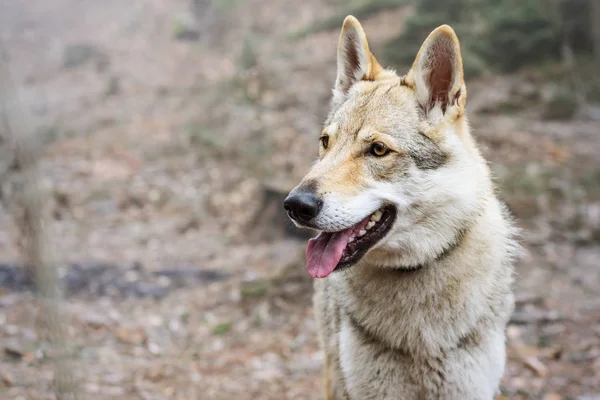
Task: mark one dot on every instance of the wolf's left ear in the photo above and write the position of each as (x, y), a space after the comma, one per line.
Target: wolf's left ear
(437, 73)
(355, 62)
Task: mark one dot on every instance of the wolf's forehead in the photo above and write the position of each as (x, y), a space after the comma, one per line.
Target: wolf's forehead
(385, 108)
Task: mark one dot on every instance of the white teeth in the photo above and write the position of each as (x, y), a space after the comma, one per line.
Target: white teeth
(376, 216)
(361, 232)
(370, 224)
(351, 239)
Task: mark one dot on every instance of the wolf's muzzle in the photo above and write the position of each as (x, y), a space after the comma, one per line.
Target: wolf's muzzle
(302, 206)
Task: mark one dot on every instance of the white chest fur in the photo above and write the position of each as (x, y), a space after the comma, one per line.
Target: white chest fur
(372, 371)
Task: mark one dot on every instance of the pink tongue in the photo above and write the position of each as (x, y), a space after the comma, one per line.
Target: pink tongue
(325, 251)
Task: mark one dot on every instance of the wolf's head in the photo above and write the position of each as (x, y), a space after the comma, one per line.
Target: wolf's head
(399, 176)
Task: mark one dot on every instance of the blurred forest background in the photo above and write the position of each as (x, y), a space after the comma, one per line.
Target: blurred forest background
(170, 131)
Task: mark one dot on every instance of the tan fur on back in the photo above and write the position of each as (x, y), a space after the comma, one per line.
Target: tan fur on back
(422, 315)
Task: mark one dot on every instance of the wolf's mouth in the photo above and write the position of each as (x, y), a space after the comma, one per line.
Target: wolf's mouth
(331, 251)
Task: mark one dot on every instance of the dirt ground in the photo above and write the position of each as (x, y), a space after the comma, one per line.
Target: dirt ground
(170, 130)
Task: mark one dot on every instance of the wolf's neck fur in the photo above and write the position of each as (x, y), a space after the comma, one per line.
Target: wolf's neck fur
(453, 243)
(454, 290)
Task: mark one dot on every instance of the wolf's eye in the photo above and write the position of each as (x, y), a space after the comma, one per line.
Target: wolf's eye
(379, 149)
(324, 141)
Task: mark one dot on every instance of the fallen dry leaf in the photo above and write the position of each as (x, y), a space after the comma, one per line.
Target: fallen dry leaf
(520, 350)
(552, 396)
(131, 335)
(557, 153)
(6, 379)
(536, 366)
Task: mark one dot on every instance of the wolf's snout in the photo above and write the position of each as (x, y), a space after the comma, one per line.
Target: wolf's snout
(302, 206)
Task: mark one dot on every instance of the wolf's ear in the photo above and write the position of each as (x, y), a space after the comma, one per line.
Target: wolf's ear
(355, 62)
(437, 73)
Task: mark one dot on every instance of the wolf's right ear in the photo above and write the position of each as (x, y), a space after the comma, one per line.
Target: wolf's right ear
(355, 62)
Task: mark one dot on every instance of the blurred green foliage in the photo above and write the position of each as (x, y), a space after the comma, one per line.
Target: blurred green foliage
(358, 8)
(562, 105)
(227, 4)
(498, 35)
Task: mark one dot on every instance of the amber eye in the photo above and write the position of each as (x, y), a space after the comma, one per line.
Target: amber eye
(379, 149)
(324, 142)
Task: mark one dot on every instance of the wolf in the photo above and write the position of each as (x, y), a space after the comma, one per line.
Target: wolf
(415, 253)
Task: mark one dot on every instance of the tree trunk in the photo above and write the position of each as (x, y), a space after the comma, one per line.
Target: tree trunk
(51, 318)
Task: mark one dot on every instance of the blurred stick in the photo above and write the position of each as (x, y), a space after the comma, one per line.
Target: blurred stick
(570, 66)
(595, 15)
(569, 61)
(51, 322)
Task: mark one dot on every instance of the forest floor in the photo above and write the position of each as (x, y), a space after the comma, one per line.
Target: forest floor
(168, 134)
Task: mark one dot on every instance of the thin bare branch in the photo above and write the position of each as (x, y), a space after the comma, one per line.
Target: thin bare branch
(30, 221)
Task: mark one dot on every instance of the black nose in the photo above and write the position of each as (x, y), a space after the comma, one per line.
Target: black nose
(302, 206)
